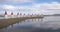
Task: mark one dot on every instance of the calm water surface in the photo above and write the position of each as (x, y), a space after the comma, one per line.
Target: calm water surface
(47, 24)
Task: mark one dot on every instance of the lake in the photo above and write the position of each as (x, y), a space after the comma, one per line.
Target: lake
(46, 24)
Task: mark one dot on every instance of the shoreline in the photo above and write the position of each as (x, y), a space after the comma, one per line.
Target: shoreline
(10, 21)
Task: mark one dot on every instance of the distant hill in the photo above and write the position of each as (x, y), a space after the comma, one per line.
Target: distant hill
(1, 15)
(53, 15)
(56, 15)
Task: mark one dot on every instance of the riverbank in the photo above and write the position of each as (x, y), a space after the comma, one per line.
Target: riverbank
(7, 22)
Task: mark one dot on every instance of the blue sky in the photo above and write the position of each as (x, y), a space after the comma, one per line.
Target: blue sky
(47, 1)
(30, 6)
(2, 2)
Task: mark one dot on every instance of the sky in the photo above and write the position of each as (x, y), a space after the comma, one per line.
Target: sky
(46, 7)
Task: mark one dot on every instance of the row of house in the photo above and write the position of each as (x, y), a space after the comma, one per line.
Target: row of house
(18, 15)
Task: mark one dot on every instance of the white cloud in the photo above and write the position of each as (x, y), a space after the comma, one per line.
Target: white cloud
(47, 8)
(8, 7)
(44, 8)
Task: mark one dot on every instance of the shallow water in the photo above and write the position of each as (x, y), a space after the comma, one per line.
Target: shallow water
(47, 24)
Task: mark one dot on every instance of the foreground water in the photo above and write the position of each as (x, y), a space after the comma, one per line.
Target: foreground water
(46, 24)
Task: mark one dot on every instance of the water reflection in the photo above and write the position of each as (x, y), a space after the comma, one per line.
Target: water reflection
(35, 25)
(26, 24)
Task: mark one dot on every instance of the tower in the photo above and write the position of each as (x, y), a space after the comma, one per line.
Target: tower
(18, 15)
(5, 14)
(12, 14)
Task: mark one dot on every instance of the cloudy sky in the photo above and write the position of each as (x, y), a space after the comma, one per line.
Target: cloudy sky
(30, 6)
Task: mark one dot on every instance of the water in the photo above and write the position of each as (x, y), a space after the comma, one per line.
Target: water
(1, 17)
(47, 24)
